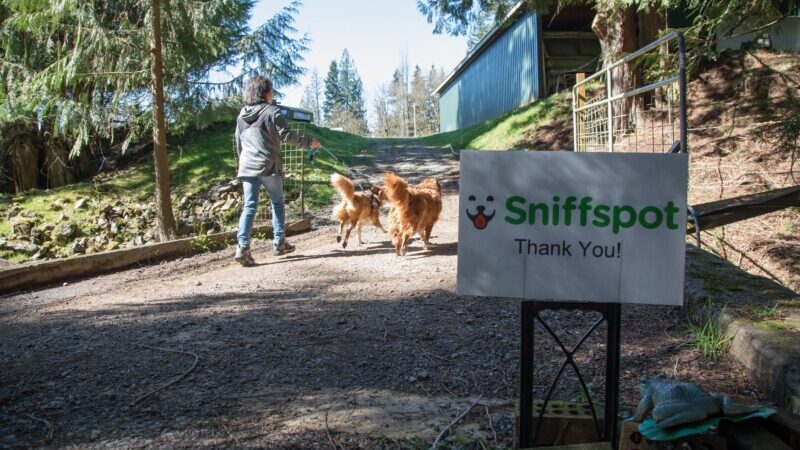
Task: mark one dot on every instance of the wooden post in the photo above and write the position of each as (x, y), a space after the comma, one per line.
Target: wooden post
(580, 100)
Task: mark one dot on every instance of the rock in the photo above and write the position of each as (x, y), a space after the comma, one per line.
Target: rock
(22, 247)
(69, 231)
(184, 201)
(138, 240)
(2, 243)
(39, 235)
(80, 203)
(77, 248)
(22, 226)
(423, 375)
(113, 230)
(229, 204)
(43, 252)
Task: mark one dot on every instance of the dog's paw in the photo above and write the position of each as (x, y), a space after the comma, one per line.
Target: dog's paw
(344, 244)
(338, 239)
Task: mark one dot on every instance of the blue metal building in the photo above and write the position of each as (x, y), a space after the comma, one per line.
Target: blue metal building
(519, 61)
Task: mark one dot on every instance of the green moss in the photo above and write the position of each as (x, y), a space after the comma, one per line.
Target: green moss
(776, 325)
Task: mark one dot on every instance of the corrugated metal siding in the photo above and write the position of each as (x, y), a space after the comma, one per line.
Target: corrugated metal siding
(504, 77)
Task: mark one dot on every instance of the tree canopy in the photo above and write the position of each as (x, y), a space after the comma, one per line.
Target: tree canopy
(344, 96)
(81, 67)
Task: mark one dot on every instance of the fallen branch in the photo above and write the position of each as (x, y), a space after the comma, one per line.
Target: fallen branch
(455, 421)
(47, 423)
(489, 416)
(328, 430)
(182, 376)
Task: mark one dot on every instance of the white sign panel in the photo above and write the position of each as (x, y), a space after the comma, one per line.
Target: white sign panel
(602, 227)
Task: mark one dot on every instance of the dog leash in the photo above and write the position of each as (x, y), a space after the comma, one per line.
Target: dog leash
(350, 170)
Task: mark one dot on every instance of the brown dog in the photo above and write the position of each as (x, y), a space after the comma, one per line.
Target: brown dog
(414, 210)
(356, 207)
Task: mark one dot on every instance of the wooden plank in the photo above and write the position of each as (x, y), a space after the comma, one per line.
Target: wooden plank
(753, 436)
(31, 275)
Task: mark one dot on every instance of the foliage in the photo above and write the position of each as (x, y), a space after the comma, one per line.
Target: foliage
(764, 312)
(344, 96)
(332, 93)
(709, 338)
(313, 96)
(82, 67)
(709, 17)
(408, 104)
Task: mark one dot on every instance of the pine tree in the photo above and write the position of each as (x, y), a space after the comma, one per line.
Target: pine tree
(80, 66)
(313, 96)
(333, 96)
(344, 84)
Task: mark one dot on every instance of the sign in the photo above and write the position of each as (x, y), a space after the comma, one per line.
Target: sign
(602, 227)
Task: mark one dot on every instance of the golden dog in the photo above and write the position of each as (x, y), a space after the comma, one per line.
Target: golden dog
(414, 210)
(356, 207)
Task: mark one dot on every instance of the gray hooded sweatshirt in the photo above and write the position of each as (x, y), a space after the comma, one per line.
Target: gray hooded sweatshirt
(260, 129)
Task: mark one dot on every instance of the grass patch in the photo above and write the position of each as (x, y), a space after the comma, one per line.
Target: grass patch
(709, 339)
(764, 312)
(505, 131)
(207, 157)
(776, 325)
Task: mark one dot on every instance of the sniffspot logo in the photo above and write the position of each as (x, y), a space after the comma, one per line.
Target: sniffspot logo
(480, 218)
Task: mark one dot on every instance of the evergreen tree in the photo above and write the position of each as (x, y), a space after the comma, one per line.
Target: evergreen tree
(483, 22)
(79, 67)
(313, 96)
(333, 96)
(345, 85)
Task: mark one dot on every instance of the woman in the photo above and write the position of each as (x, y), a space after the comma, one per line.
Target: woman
(260, 129)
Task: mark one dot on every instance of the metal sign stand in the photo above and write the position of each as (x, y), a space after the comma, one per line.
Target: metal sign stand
(531, 313)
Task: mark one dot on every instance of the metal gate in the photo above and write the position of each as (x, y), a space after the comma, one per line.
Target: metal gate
(650, 118)
(293, 181)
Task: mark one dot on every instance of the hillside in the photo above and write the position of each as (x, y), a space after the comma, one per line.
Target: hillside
(114, 209)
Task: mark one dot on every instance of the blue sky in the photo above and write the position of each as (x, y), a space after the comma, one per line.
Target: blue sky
(375, 32)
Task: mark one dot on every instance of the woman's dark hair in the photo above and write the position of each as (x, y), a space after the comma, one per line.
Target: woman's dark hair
(255, 90)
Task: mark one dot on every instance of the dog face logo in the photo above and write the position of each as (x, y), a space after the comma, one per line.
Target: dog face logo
(480, 219)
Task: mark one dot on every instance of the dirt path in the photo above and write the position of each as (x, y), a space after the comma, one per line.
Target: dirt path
(379, 347)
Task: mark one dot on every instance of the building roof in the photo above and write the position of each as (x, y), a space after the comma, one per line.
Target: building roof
(483, 44)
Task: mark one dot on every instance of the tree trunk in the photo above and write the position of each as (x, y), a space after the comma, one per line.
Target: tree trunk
(616, 29)
(23, 149)
(59, 170)
(166, 220)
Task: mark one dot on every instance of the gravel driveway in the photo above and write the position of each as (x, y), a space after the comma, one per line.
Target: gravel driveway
(356, 347)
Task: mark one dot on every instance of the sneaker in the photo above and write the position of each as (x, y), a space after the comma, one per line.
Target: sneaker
(282, 248)
(244, 257)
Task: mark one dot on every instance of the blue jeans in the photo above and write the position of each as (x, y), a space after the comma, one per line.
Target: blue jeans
(274, 186)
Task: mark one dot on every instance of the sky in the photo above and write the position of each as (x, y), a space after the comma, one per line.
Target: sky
(375, 32)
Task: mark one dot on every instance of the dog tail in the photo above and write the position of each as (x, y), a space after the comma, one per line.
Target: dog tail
(344, 186)
(396, 188)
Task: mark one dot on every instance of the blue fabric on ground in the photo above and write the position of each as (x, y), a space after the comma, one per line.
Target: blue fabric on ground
(649, 429)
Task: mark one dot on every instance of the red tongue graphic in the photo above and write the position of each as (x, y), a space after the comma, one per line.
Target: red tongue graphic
(480, 221)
